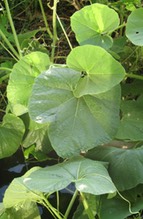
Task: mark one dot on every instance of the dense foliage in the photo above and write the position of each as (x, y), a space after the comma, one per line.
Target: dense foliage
(84, 112)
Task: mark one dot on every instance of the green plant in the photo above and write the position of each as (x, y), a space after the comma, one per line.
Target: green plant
(78, 111)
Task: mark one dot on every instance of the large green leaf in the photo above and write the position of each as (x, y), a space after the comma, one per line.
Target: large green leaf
(22, 78)
(11, 134)
(89, 177)
(92, 25)
(77, 123)
(102, 71)
(125, 165)
(131, 125)
(134, 27)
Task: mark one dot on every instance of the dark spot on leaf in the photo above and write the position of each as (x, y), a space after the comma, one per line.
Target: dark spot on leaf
(137, 32)
(83, 74)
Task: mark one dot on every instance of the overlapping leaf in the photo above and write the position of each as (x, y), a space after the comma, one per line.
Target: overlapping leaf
(100, 70)
(22, 78)
(17, 193)
(125, 165)
(134, 27)
(89, 176)
(131, 125)
(92, 25)
(11, 134)
(76, 123)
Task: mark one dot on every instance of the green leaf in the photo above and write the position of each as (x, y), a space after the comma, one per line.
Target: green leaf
(125, 165)
(113, 208)
(134, 27)
(92, 25)
(89, 177)
(76, 123)
(11, 134)
(27, 210)
(102, 71)
(131, 125)
(119, 208)
(22, 78)
(17, 194)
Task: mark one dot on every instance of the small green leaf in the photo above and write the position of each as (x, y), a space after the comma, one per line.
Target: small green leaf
(93, 23)
(11, 134)
(102, 71)
(22, 78)
(125, 165)
(134, 27)
(89, 177)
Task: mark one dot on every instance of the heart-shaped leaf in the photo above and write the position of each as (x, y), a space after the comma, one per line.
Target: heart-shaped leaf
(11, 133)
(93, 23)
(125, 165)
(22, 78)
(76, 123)
(100, 70)
(89, 176)
(134, 27)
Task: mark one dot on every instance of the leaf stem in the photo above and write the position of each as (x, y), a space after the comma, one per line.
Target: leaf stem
(13, 28)
(86, 207)
(45, 20)
(51, 208)
(71, 204)
(54, 8)
(120, 26)
(131, 75)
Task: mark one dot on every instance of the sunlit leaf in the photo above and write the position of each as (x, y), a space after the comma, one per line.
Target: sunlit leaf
(100, 70)
(92, 25)
(22, 78)
(17, 193)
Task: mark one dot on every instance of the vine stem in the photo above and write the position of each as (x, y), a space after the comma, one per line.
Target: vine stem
(131, 75)
(70, 204)
(15, 55)
(129, 203)
(13, 28)
(45, 20)
(70, 45)
(86, 207)
(54, 8)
